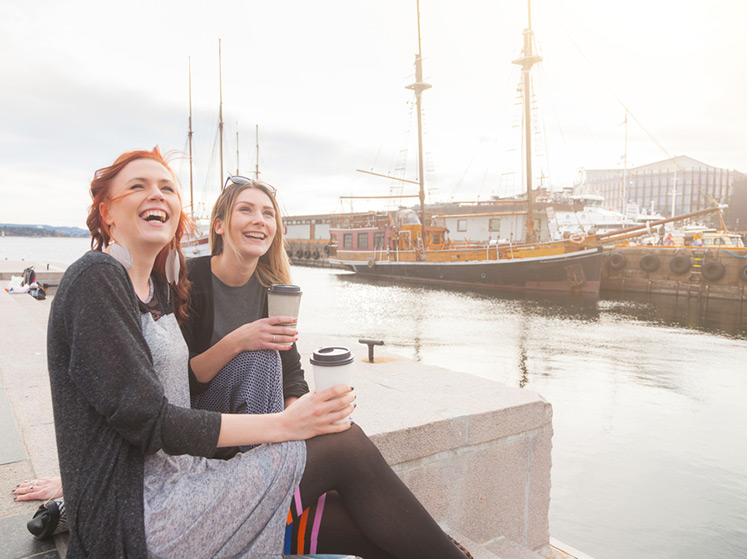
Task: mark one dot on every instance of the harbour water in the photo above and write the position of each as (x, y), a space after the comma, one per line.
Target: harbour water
(649, 450)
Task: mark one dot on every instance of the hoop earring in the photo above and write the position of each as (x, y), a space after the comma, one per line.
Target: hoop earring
(173, 266)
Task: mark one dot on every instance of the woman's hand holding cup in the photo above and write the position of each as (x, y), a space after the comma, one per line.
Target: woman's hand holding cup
(320, 413)
(267, 333)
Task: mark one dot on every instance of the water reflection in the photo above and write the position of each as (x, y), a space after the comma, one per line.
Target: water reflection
(723, 317)
(582, 307)
(523, 371)
(716, 316)
(647, 395)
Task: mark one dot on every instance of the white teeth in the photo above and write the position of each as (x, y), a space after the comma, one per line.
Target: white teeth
(254, 235)
(153, 215)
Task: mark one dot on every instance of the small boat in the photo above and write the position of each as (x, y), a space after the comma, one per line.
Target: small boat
(404, 246)
(692, 261)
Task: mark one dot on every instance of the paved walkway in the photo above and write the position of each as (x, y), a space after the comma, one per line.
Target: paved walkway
(27, 443)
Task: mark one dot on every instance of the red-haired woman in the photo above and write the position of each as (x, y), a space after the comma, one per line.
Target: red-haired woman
(135, 459)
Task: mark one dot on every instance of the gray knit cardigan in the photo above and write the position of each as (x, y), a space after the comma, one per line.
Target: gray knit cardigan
(110, 409)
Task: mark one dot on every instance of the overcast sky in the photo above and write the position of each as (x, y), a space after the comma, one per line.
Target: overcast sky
(83, 81)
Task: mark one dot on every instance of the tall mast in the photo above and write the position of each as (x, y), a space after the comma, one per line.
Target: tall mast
(256, 167)
(625, 170)
(526, 62)
(418, 87)
(220, 112)
(189, 136)
(674, 188)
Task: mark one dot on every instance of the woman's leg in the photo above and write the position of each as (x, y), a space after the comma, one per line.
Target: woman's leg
(377, 516)
(326, 527)
(251, 382)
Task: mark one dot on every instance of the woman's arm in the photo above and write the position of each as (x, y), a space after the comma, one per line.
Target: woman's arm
(264, 333)
(96, 342)
(309, 416)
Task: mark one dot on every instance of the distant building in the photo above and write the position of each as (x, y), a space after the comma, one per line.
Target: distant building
(679, 185)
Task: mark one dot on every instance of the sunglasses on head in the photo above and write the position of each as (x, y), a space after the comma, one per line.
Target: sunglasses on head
(238, 179)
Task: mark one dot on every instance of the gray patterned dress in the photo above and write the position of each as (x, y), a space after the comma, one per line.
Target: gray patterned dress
(198, 507)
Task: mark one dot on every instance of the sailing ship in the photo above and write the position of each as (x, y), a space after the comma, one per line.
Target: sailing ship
(197, 242)
(401, 245)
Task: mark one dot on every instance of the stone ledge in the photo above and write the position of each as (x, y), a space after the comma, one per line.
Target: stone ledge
(430, 409)
(476, 453)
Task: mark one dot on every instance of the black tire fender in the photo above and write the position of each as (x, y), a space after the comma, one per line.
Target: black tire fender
(743, 273)
(713, 270)
(650, 263)
(616, 260)
(680, 264)
(315, 255)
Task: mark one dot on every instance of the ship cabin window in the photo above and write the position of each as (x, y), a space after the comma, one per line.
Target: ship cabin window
(378, 240)
(347, 240)
(461, 225)
(362, 240)
(494, 225)
(436, 238)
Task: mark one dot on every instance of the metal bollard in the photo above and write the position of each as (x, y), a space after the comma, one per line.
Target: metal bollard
(370, 344)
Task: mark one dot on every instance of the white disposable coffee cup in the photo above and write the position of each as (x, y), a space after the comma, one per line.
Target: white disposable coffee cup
(283, 300)
(332, 366)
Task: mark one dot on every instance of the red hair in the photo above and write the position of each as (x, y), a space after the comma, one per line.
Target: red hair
(101, 233)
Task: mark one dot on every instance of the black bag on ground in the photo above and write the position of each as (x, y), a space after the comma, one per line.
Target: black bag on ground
(49, 520)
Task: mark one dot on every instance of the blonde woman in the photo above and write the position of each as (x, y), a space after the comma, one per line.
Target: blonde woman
(349, 500)
(240, 360)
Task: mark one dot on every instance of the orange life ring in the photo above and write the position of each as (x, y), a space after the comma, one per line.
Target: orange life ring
(578, 239)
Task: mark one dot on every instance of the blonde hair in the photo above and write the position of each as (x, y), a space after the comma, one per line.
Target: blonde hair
(273, 266)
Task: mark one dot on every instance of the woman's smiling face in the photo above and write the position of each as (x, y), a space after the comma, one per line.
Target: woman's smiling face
(143, 205)
(252, 225)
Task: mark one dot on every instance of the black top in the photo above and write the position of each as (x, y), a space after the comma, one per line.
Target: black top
(198, 330)
(109, 408)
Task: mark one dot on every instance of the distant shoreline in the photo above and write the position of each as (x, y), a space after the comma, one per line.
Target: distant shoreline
(41, 231)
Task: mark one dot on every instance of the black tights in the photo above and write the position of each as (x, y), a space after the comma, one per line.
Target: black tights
(368, 511)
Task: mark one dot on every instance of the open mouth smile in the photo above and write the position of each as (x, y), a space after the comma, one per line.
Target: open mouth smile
(152, 216)
(255, 235)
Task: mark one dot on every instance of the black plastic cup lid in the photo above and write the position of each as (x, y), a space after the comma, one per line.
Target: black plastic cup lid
(284, 289)
(331, 356)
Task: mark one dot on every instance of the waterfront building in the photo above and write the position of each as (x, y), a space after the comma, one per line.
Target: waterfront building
(674, 186)
(307, 226)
